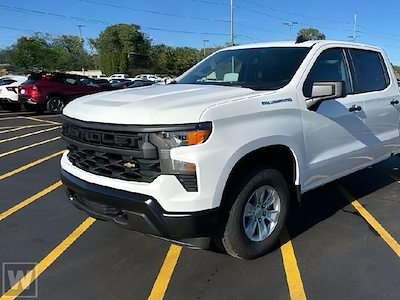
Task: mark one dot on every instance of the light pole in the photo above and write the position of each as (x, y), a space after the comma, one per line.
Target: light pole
(204, 41)
(80, 31)
(355, 26)
(290, 24)
(232, 23)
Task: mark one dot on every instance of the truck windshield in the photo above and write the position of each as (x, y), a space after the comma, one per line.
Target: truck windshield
(255, 68)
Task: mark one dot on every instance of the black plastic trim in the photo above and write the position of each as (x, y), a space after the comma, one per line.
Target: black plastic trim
(130, 128)
(139, 212)
(128, 152)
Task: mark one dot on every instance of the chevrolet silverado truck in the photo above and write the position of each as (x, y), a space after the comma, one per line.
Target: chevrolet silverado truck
(216, 157)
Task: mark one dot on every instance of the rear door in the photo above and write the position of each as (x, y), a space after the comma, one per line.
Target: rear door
(76, 86)
(381, 101)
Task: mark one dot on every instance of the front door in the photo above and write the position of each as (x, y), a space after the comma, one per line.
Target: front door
(336, 137)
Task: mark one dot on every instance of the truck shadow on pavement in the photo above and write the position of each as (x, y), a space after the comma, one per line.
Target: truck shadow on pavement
(375, 186)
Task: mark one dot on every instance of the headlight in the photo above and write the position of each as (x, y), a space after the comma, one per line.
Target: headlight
(166, 140)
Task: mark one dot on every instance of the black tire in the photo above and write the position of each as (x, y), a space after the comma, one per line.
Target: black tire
(29, 107)
(39, 109)
(256, 215)
(55, 104)
(5, 105)
(15, 107)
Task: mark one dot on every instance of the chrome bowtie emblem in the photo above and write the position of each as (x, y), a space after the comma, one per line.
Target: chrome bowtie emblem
(129, 165)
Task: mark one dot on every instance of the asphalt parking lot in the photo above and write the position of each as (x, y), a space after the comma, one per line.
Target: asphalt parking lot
(343, 243)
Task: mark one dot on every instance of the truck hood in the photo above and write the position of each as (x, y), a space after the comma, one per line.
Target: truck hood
(156, 104)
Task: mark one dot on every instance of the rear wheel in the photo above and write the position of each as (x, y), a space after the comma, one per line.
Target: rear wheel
(55, 104)
(256, 215)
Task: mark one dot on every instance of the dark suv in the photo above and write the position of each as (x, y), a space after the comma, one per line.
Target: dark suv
(52, 92)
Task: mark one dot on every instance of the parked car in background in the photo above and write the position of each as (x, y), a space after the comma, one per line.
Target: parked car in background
(147, 77)
(118, 76)
(102, 76)
(52, 92)
(9, 91)
(139, 83)
(120, 83)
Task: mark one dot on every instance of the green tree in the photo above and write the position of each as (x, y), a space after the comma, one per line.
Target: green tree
(34, 53)
(116, 43)
(4, 56)
(185, 58)
(311, 34)
(45, 53)
(173, 61)
(159, 58)
(73, 56)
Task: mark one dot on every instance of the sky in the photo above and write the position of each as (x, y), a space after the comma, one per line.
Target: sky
(199, 23)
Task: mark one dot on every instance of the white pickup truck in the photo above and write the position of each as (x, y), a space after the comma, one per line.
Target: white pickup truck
(216, 157)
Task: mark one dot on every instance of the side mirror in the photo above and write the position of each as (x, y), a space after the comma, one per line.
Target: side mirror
(326, 90)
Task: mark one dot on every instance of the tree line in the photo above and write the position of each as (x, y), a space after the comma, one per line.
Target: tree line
(117, 49)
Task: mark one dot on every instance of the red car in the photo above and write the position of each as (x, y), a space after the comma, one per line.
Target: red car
(53, 92)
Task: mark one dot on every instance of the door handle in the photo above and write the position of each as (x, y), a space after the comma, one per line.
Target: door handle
(355, 108)
(394, 102)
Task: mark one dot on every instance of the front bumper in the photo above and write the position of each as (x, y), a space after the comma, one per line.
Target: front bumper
(141, 213)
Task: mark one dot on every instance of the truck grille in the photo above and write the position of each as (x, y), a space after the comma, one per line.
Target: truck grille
(114, 165)
(120, 155)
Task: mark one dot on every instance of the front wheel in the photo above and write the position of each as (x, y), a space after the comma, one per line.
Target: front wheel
(55, 105)
(256, 216)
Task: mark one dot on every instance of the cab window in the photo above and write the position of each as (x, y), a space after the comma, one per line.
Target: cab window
(370, 71)
(330, 66)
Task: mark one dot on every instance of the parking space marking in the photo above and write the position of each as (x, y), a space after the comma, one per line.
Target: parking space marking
(371, 220)
(31, 165)
(40, 120)
(295, 284)
(163, 278)
(24, 203)
(29, 146)
(13, 113)
(29, 134)
(21, 127)
(30, 277)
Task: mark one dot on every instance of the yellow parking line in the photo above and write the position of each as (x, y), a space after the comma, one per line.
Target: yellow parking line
(296, 289)
(29, 146)
(29, 134)
(163, 278)
(24, 203)
(15, 129)
(371, 220)
(23, 127)
(29, 278)
(40, 120)
(30, 165)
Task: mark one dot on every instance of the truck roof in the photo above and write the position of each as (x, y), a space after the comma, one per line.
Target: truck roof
(302, 44)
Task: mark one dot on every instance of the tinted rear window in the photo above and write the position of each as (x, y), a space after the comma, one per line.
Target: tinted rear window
(33, 78)
(6, 81)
